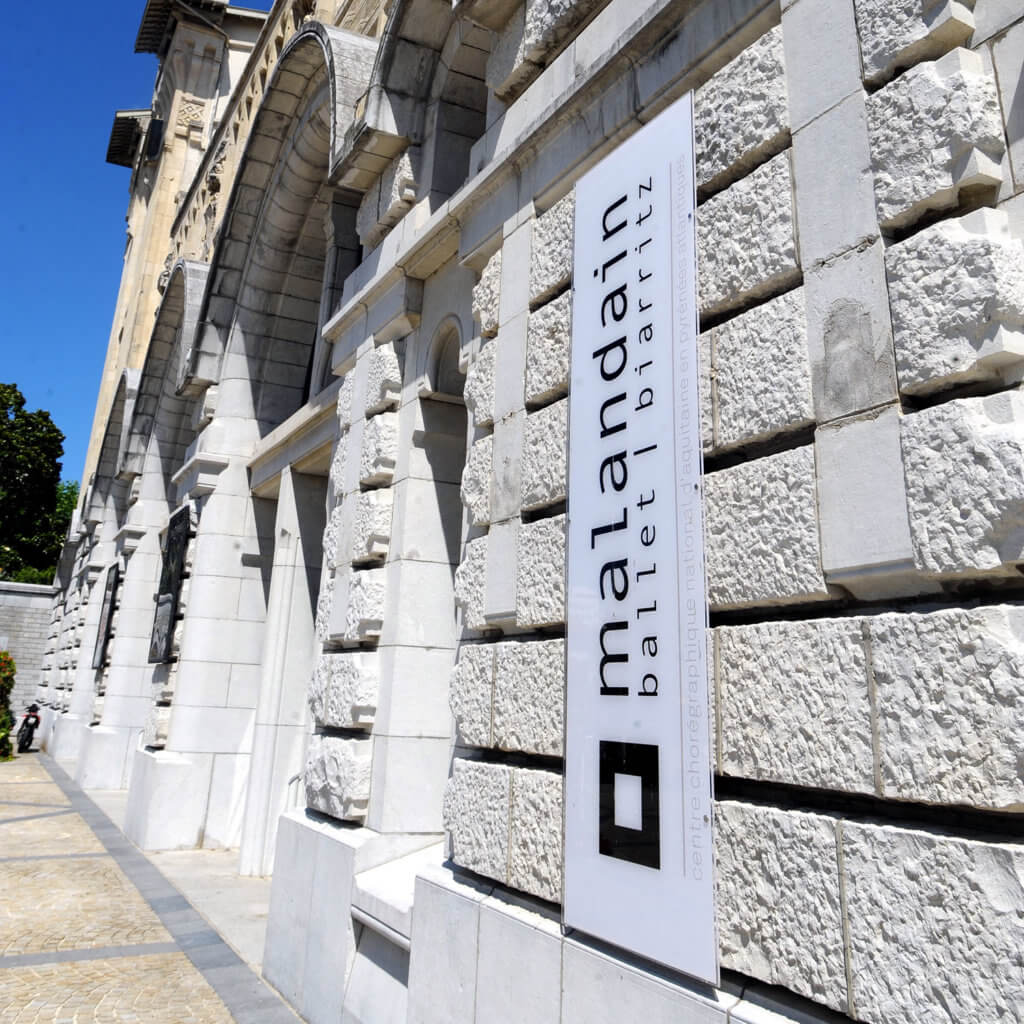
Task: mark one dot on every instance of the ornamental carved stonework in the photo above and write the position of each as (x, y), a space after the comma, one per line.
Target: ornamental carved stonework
(190, 112)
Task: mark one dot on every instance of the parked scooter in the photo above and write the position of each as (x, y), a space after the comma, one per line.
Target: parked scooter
(28, 728)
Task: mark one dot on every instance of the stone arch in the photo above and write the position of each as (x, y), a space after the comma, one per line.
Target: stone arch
(427, 90)
(272, 257)
(108, 490)
(441, 376)
(169, 382)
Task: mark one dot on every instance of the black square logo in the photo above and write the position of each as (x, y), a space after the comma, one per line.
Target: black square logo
(632, 830)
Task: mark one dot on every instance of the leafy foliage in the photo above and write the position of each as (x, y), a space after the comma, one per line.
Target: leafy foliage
(35, 507)
(6, 718)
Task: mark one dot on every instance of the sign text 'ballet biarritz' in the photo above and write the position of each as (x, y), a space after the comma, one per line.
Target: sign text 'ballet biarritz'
(638, 835)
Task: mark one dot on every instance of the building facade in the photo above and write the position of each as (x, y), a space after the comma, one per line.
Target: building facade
(312, 606)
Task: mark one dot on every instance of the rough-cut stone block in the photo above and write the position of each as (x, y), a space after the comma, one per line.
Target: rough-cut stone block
(547, 350)
(551, 248)
(371, 525)
(476, 816)
(344, 404)
(471, 694)
(950, 691)
(543, 457)
(380, 449)
(367, 216)
(476, 481)
(530, 40)
(336, 474)
(343, 691)
(535, 834)
(398, 186)
(364, 610)
(324, 606)
(734, 264)
(895, 34)
(779, 914)
(479, 391)
(384, 379)
(486, 296)
(762, 372)
(965, 488)
(338, 776)
(332, 533)
(471, 584)
(956, 291)
(762, 532)
(794, 704)
(509, 68)
(529, 697)
(935, 926)
(540, 573)
(934, 131)
(741, 114)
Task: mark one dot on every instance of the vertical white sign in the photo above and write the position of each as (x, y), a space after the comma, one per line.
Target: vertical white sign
(638, 849)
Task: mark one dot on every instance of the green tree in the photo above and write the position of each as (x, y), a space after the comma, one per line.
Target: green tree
(35, 508)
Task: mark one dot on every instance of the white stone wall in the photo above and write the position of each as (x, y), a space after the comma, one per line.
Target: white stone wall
(860, 234)
(862, 424)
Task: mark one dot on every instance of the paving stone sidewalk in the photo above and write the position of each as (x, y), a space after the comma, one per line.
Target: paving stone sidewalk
(90, 930)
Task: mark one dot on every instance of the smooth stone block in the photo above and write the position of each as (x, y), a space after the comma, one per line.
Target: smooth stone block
(849, 334)
(832, 169)
(861, 500)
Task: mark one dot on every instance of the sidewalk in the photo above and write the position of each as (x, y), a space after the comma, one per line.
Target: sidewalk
(92, 930)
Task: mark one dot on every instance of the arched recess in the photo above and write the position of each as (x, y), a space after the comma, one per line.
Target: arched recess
(147, 451)
(427, 90)
(288, 235)
(107, 498)
(103, 510)
(161, 427)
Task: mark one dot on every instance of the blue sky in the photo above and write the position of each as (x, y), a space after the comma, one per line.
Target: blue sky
(67, 67)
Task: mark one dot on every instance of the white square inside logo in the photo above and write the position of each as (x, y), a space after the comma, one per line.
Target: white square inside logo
(628, 805)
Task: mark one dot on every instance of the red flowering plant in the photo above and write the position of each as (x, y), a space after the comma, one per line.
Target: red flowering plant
(6, 718)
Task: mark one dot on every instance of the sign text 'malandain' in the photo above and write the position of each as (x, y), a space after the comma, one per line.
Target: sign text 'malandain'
(638, 777)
